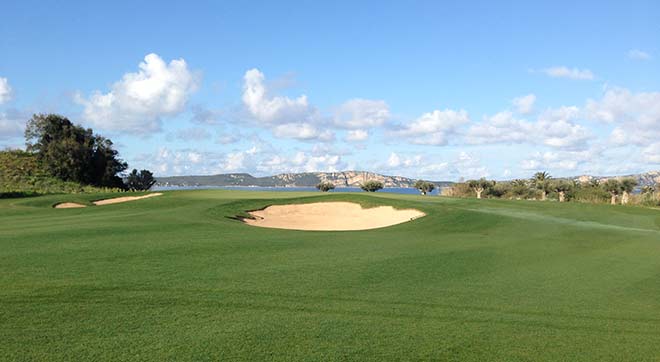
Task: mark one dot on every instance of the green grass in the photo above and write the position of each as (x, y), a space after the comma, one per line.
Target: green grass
(175, 278)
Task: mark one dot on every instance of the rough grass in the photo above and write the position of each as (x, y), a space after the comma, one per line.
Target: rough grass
(176, 278)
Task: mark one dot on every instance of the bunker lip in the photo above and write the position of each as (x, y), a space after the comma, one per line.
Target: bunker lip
(329, 216)
(68, 205)
(118, 200)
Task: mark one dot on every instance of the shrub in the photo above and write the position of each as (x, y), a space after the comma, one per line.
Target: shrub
(371, 186)
(325, 186)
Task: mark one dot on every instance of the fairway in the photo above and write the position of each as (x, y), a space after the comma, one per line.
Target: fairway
(178, 277)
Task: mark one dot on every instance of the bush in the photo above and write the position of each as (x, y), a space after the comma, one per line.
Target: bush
(424, 187)
(371, 186)
(325, 186)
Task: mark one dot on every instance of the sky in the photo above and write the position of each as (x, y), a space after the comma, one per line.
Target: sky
(439, 90)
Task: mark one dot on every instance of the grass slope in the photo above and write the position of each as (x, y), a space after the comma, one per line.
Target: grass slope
(174, 278)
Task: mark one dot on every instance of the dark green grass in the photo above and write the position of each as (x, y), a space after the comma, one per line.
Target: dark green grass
(176, 278)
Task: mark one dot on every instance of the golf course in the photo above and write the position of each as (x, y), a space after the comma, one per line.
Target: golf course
(180, 277)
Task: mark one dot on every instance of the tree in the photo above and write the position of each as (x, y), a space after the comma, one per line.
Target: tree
(519, 188)
(371, 186)
(424, 187)
(140, 180)
(481, 185)
(541, 181)
(72, 153)
(627, 186)
(325, 186)
(561, 187)
(614, 188)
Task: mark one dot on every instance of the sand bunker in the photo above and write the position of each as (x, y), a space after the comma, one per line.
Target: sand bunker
(117, 200)
(330, 216)
(69, 205)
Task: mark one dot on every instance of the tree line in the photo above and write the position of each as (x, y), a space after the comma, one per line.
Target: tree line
(541, 186)
(58, 149)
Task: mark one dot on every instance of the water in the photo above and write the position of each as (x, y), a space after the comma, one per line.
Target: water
(392, 190)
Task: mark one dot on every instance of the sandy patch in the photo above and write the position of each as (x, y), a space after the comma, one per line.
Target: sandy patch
(330, 216)
(118, 200)
(69, 205)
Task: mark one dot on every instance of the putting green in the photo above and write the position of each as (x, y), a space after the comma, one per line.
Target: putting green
(177, 277)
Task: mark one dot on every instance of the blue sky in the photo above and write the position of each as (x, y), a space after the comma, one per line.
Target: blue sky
(436, 90)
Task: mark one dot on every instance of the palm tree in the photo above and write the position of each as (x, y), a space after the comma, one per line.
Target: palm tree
(561, 187)
(627, 186)
(541, 180)
(519, 188)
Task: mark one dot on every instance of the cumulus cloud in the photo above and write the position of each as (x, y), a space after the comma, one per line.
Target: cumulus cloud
(301, 162)
(524, 104)
(554, 128)
(362, 114)
(636, 116)
(433, 128)
(139, 100)
(651, 153)
(6, 91)
(286, 117)
(357, 135)
(570, 73)
(637, 54)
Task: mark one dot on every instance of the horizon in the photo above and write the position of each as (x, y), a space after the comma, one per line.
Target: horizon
(267, 89)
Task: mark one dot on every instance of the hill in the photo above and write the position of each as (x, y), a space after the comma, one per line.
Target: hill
(307, 179)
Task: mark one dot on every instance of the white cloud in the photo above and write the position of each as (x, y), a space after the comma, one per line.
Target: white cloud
(12, 124)
(6, 91)
(193, 134)
(396, 161)
(524, 104)
(554, 128)
(301, 162)
(139, 100)
(637, 54)
(560, 161)
(362, 113)
(651, 153)
(272, 109)
(570, 73)
(357, 135)
(433, 128)
(302, 132)
(635, 115)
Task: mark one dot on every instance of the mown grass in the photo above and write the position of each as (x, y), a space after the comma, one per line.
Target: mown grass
(176, 278)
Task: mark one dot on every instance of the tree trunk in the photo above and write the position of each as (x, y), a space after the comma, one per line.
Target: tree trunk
(479, 191)
(543, 195)
(562, 196)
(624, 198)
(613, 199)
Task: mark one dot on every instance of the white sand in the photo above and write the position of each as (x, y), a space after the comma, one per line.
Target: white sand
(117, 200)
(330, 216)
(69, 205)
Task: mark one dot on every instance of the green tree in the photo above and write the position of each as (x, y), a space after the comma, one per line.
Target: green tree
(424, 187)
(72, 153)
(520, 188)
(541, 181)
(627, 186)
(562, 187)
(481, 185)
(613, 187)
(371, 186)
(325, 186)
(140, 180)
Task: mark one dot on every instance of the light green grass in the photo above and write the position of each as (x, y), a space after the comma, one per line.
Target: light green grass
(175, 278)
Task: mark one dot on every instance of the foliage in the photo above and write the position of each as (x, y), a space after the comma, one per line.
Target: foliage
(21, 175)
(325, 186)
(371, 186)
(424, 187)
(140, 180)
(542, 182)
(72, 153)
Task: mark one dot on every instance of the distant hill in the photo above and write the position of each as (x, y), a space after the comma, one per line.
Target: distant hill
(650, 178)
(307, 179)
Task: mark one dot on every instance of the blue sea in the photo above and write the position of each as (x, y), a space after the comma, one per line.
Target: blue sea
(393, 190)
